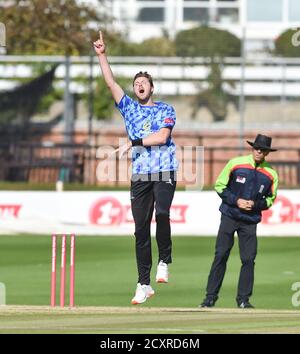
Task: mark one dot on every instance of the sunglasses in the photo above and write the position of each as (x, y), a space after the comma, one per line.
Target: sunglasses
(260, 149)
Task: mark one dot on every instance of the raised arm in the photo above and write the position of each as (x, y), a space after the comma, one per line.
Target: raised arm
(116, 90)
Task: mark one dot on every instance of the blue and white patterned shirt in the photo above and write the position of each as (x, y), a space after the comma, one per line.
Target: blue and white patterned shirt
(141, 121)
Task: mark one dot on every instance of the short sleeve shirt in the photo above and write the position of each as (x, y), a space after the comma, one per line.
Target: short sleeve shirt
(141, 121)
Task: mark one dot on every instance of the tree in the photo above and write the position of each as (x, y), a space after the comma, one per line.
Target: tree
(215, 98)
(103, 103)
(157, 47)
(60, 27)
(153, 47)
(214, 44)
(287, 44)
(207, 42)
(50, 27)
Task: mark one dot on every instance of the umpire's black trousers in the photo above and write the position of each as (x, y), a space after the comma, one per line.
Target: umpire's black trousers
(248, 250)
(147, 192)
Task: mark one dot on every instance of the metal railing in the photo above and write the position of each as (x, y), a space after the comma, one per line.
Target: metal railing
(264, 76)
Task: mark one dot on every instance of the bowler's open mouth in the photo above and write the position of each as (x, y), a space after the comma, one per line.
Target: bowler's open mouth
(141, 91)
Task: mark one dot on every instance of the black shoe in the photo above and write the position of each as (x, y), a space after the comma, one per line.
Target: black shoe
(208, 302)
(245, 305)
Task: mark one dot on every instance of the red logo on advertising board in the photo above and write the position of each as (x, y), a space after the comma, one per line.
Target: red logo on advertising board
(282, 211)
(109, 211)
(178, 214)
(106, 211)
(9, 210)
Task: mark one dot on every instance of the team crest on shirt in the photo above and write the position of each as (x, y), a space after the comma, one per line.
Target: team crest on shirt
(146, 128)
(241, 179)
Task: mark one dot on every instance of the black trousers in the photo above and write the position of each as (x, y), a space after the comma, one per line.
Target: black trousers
(147, 192)
(248, 250)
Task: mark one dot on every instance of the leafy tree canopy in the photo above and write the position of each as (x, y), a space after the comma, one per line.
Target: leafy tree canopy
(207, 42)
(288, 44)
(50, 27)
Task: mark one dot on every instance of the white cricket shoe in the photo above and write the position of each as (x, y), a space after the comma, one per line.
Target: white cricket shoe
(162, 274)
(142, 293)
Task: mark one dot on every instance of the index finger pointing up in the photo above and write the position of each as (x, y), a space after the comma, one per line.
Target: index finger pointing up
(100, 36)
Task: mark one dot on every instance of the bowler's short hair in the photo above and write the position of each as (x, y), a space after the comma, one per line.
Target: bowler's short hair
(144, 74)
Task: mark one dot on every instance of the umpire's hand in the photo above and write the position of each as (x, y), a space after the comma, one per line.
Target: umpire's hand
(245, 204)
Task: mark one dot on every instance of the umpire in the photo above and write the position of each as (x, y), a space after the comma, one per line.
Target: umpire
(247, 185)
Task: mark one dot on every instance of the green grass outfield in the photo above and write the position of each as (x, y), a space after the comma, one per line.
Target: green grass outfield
(106, 280)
